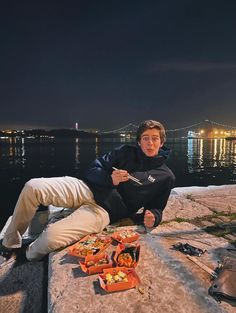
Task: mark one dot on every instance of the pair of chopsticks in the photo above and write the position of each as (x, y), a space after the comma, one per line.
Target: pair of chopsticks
(136, 180)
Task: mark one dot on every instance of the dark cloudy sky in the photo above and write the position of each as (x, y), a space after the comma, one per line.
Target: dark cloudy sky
(110, 62)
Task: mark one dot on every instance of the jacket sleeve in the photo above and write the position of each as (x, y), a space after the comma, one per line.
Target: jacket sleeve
(99, 171)
(157, 205)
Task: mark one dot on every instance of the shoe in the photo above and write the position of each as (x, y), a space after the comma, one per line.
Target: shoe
(21, 254)
(17, 253)
(4, 251)
(5, 254)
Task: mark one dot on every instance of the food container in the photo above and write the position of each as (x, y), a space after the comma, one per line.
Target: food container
(90, 245)
(125, 236)
(127, 255)
(95, 263)
(129, 279)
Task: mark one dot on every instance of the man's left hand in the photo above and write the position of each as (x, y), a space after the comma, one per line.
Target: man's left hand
(149, 219)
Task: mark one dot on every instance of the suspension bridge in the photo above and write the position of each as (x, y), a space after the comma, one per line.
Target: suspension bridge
(206, 126)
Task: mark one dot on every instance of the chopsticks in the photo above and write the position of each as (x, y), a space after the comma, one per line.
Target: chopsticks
(136, 180)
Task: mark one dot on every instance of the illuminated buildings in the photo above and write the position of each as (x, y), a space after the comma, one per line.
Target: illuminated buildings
(213, 130)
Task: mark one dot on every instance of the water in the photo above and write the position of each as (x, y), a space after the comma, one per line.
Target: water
(195, 162)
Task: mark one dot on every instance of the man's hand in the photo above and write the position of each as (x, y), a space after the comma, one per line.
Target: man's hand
(149, 218)
(119, 176)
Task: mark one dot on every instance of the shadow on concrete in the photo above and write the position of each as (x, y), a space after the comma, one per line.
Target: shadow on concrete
(28, 281)
(216, 230)
(178, 269)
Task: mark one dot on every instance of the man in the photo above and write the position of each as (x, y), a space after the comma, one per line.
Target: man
(106, 194)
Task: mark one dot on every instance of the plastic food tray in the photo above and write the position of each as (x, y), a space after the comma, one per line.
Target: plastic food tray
(72, 250)
(117, 236)
(133, 279)
(95, 269)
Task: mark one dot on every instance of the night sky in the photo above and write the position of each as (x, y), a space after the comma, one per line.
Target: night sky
(104, 64)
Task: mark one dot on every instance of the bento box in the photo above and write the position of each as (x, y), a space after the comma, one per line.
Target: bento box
(89, 245)
(127, 255)
(118, 278)
(95, 263)
(125, 236)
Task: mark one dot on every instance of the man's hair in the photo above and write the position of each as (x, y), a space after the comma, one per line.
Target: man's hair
(149, 124)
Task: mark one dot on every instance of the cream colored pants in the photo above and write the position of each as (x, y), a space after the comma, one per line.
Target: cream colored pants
(68, 192)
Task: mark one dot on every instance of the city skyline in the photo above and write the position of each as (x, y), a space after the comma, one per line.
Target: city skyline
(105, 64)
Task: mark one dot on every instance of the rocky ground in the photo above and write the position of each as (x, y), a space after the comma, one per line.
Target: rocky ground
(170, 282)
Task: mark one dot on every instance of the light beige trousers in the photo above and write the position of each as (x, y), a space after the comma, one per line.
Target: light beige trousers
(68, 192)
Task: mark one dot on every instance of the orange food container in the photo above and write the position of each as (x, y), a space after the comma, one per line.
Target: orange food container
(132, 252)
(89, 245)
(93, 269)
(132, 279)
(125, 236)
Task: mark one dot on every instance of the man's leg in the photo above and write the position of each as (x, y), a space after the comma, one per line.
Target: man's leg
(89, 218)
(65, 191)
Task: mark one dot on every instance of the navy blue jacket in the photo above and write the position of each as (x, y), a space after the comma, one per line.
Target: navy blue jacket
(128, 197)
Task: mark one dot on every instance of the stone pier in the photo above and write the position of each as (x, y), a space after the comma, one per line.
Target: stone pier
(204, 217)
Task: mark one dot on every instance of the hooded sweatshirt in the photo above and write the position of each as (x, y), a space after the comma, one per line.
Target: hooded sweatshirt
(127, 198)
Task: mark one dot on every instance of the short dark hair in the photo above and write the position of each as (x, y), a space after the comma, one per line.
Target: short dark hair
(149, 124)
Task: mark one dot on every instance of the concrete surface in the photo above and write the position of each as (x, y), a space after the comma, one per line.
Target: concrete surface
(202, 216)
(169, 281)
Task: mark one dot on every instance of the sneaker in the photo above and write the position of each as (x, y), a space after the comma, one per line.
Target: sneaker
(21, 254)
(5, 254)
(18, 254)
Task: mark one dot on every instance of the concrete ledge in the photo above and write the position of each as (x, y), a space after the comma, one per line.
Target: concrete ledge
(181, 207)
(223, 190)
(23, 285)
(170, 282)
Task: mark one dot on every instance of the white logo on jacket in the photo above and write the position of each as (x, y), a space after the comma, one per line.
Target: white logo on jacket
(151, 179)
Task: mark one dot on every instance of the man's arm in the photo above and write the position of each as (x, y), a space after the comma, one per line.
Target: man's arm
(101, 171)
(153, 210)
(104, 180)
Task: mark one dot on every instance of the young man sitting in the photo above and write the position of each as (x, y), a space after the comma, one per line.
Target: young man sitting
(105, 195)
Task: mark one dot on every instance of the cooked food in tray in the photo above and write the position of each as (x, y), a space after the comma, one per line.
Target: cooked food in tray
(125, 259)
(90, 245)
(118, 278)
(95, 263)
(127, 255)
(127, 235)
(98, 262)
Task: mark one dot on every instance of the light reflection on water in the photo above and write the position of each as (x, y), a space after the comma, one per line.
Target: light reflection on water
(195, 162)
(212, 152)
(204, 162)
(23, 158)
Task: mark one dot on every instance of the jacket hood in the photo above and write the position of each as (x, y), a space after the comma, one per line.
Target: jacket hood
(157, 160)
(165, 152)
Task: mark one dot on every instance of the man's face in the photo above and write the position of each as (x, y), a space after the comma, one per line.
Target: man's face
(150, 142)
